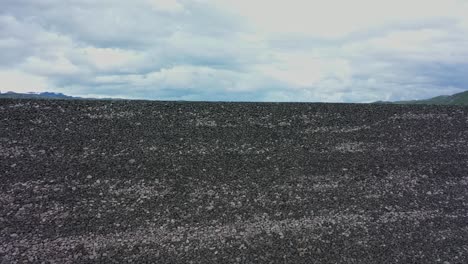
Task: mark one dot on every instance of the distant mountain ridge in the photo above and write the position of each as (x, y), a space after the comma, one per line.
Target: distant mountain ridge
(43, 95)
(48, 95)
(455, 99)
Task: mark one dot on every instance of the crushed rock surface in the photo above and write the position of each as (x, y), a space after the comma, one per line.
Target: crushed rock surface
(183, 182)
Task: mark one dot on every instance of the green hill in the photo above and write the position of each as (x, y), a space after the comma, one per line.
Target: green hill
(455, 99)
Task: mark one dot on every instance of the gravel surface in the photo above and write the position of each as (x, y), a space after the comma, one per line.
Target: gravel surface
(183, 182)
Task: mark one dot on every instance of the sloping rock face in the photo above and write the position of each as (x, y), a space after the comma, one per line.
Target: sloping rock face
(180, 182)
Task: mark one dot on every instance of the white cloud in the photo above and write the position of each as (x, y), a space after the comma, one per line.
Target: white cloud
(424, 45)
(13, 80)
(172, 6)
(336, 18)
(186, 77)
(301, 69)
(108, 58)
(59, 66)
(297, 50)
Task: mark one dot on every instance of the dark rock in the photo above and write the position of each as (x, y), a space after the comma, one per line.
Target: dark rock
(180, 182)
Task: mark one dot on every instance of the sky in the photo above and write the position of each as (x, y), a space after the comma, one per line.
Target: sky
(236, 50)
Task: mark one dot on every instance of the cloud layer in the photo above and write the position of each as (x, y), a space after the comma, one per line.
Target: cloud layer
(259, 50)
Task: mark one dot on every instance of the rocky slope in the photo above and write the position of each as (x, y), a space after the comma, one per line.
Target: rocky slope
(171, 182)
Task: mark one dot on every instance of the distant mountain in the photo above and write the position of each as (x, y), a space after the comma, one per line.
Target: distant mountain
(455, 99)
(44, 95)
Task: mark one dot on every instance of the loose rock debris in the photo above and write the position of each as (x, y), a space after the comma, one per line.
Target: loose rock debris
(184, 182)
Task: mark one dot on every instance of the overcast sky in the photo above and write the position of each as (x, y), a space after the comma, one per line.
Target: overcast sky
(236, 50)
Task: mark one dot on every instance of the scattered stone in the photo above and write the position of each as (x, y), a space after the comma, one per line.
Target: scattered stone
(265, 183)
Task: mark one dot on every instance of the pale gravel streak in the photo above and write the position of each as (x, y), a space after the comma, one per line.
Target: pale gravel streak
(408, 116)
(336, 129)
(391, 217)
(124, 114)
(207, 236)
(350, 147)
(210, 148)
